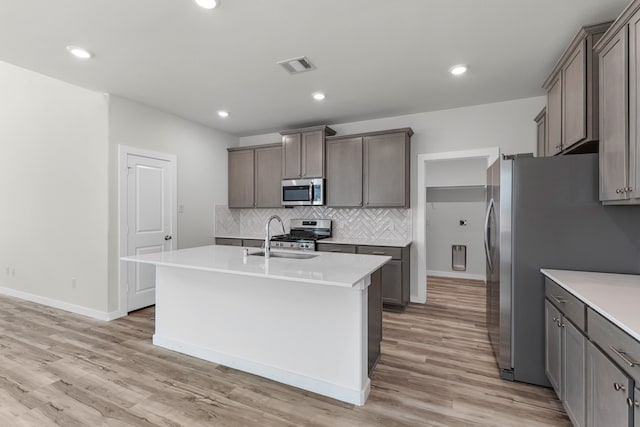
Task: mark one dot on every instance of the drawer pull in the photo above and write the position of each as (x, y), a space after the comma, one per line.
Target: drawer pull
(558, 299)
(625, 357)
(633, 403)
(618, 386)
(336, 250)
(378, 253)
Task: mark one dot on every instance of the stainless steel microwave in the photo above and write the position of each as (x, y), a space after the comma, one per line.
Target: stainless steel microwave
(303, 192)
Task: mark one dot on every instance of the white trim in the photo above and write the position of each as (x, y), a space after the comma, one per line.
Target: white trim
(456, 275)
(123, 152)
(61, 305)
(419, 277)
(315, 385)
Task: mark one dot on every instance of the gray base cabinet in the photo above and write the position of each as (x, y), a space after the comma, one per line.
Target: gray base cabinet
(553, 347)
(573, 369)
(394, 274)
(565, 350)
(593, 365)
(375, 320)
(247, 243)
(609, 389)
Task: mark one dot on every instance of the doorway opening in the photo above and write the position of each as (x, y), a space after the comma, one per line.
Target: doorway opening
(435, 172)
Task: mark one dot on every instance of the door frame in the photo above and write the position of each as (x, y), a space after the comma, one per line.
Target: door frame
(419, 281)
(123, 152)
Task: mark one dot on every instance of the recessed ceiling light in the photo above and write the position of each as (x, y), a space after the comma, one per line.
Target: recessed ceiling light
(223, 113)
(207, 4)
(458, 70)
(79, 52)
(318, 96)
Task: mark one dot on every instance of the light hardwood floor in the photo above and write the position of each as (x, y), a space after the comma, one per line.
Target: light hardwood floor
(436, 369)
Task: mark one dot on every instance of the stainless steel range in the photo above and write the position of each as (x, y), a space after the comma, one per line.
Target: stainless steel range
(303, 234)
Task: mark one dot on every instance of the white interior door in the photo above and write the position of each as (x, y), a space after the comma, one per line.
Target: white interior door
(149, 223)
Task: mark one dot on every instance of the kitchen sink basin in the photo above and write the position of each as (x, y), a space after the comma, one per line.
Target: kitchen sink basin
(285, 255)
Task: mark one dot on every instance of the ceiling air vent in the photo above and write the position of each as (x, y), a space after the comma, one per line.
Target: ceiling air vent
(297, 65)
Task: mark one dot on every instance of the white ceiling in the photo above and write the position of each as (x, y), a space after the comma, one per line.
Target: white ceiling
(374, 58)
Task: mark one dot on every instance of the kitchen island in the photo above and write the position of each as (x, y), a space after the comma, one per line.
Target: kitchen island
(311, 323)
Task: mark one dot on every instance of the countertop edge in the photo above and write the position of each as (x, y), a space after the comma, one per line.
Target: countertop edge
(596, 307)
(346, 285)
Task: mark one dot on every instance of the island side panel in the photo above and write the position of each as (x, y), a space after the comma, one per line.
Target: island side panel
(307, 335)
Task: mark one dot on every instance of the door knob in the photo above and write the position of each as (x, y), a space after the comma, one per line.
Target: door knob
(167, 237)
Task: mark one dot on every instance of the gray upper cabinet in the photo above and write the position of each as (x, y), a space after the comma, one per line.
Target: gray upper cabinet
(541, 132)
(303, 152)
(386, 169)
(254, 176)
(291, 151)
(572, 96)
(241, 178)
(614, 113)
(554, 117)
(574, 93)
(344, 172)
(619, 58)
(268, 176)
(369, 169)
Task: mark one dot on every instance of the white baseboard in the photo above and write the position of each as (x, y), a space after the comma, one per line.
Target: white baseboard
(50, 302)
(456, 275)
(315, 385)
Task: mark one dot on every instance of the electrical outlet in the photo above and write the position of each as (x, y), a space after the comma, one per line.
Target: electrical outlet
(73, 283)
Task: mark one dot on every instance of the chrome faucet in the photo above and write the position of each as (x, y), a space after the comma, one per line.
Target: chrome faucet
(267, 238)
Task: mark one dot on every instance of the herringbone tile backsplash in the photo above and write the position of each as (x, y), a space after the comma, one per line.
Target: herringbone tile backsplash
(376, 224)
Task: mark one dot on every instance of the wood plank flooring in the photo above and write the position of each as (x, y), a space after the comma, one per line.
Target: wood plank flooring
(437, 369)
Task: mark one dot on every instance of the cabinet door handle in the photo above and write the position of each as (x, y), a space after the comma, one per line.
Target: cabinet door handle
(633, 403)
(555, 319)
(558, 299)
(617, 191)
(618, 387)
(624, 356)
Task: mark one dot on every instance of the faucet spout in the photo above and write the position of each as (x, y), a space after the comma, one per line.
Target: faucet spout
(267, 237)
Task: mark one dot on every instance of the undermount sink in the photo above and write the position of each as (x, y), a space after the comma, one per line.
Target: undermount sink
(285, 255)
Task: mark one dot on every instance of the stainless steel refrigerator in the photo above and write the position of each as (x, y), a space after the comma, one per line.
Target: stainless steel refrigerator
(544, 212)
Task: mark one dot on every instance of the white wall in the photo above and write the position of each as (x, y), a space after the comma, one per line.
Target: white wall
(508, 125)
(201, 171)
(449, 200)
(53, 187)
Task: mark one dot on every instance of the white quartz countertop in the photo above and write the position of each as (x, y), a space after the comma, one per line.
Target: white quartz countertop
(614, 296)
(327, 268)
(398, 243)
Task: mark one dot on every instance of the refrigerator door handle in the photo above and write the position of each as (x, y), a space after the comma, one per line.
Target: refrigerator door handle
(487, 250)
